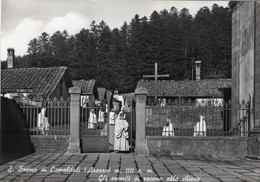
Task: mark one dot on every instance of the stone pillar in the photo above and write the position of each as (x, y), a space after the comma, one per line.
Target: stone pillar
(141, 147)
(235, 61)
(74, 144)
(254, 140)
(257, 68)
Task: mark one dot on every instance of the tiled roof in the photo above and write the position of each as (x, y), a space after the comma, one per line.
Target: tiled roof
(87, 86)
(42, 81)
(186, 88)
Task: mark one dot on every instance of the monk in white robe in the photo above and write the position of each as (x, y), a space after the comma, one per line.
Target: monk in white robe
(168, 129)
(101, 116)
(200, 127)
(42, 122)
(92, 120)
(121, 133)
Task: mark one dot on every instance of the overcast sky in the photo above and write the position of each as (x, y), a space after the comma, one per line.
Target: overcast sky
(23, 20)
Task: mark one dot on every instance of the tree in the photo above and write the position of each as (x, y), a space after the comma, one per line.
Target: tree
(40, 51)
(118, 58)
(134, 54)
(186, 43)
(60, 48)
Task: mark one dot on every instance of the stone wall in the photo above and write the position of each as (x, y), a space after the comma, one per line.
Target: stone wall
(223, 147)
(50, 143)
(235, 62)
(246, 63)
(246, 50)
(254, 143)
(235, 55)
(243, 52)
(257, 66)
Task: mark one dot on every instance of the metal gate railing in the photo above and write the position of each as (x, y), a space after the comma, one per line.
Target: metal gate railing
(187, 118)
(94, 122)
(46, 116)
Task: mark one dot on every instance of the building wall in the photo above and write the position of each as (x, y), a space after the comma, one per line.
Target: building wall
(235, 55)
(64, 87)
(243, 53)
(246, 64)
(257, 67)
(61, 90)
(246, 50)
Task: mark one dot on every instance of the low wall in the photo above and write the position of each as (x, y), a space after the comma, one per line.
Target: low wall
(50, 143)
(224, 147)
(254, 143)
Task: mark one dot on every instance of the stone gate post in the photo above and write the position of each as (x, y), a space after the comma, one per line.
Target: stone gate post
(141, 94)
(74, 144)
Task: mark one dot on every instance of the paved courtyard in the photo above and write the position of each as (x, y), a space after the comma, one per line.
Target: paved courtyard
(127, 167)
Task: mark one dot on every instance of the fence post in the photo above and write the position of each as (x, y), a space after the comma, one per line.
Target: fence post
(141, 147)
(74, 144)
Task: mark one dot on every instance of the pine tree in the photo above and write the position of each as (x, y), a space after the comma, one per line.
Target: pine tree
(118, 58)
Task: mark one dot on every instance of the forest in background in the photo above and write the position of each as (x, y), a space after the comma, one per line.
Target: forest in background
(118, 58)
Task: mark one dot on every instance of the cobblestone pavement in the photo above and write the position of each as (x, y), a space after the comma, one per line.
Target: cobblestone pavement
(127, 167)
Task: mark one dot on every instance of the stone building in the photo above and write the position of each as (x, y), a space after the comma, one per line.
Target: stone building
(246, 63)
(208, 91)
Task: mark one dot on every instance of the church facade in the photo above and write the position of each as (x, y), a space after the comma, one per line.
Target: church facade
(246, 63)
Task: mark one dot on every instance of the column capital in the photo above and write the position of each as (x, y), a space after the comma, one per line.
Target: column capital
(75, 90)
(141, 91)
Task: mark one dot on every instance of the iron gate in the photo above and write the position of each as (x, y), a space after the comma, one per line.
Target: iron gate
(94, 124)
(130, 117)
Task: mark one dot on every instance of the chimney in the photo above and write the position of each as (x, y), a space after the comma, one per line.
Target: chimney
(197, 68)
(10, 58)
